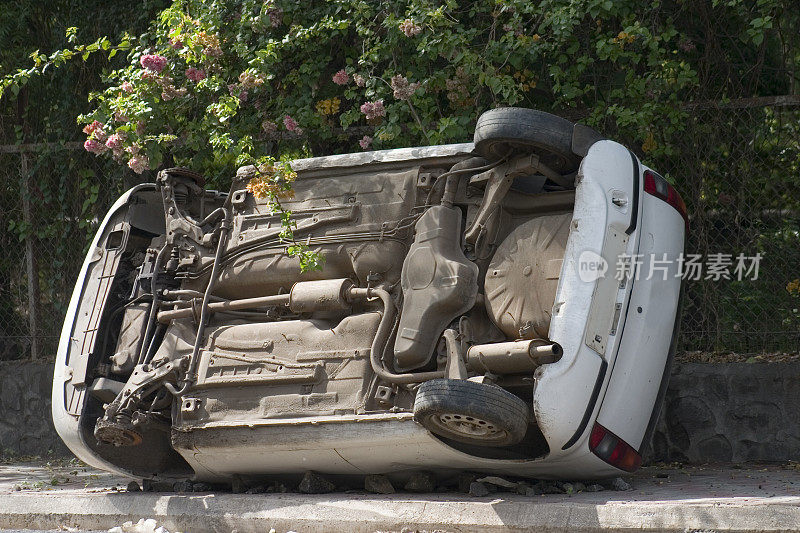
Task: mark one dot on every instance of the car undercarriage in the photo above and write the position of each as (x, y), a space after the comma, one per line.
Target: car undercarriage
(440, 272)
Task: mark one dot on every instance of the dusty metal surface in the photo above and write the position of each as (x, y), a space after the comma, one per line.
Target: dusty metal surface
(269, 343)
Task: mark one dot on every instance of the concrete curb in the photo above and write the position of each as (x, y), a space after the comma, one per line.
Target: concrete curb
(367, 514)
(741, 498)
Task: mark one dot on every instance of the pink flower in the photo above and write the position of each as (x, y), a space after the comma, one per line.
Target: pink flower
(94, 147)
(373, 110)
(243, 95)
(361, 81)
(93, 127)
(139, 163)
(195, 74)
(177, 44)
(290, 123)
(269, 127)
(403, 90)
(365, 141)
(410, 28)
(341, 78)
(127, 87)
(115, 141)
(153, 62)
(95, 131)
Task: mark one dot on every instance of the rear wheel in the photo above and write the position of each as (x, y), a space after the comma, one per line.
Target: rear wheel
(473, 413)
(506, 130)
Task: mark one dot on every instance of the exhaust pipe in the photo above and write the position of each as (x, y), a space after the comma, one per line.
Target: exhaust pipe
(515, 357)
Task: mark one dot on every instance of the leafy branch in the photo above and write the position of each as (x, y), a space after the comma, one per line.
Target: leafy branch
(42, 62)
(273, 182)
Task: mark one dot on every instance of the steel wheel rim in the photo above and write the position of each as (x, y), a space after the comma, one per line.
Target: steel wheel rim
(468, 426)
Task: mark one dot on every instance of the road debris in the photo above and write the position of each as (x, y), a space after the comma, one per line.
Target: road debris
(313, 483)
(378, 484)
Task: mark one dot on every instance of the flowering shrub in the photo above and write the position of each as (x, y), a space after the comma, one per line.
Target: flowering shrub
(341, 77)
(410, 28)
(213, 85)
(373, 110)
(291, 124)
(403, 90)
(195, 74)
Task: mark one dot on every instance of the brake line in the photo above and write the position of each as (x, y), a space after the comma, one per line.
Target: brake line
(190, 376)
(151, 318)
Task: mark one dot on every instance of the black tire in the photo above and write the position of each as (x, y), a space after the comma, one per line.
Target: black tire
(473, 413)
(507, 130)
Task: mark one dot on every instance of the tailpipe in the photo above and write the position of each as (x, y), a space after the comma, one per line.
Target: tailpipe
(515, 357)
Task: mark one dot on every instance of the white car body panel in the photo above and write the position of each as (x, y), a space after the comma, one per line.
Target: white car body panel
(564, 389)
(362, 445)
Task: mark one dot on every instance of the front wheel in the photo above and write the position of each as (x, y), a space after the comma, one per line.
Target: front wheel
(472, 413)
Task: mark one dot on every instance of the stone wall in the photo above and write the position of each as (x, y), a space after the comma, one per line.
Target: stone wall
(730, 412)
(26, 426)
(712, 413)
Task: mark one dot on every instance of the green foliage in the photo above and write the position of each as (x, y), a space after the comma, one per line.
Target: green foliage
(621, 66)
(68, 192)
(273, 182)
(213, 84)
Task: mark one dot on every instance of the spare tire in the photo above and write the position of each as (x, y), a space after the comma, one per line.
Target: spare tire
(473, 413)
(508, 130)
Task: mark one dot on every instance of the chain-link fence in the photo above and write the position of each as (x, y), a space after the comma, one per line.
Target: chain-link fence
(53, 198)
(738, 169)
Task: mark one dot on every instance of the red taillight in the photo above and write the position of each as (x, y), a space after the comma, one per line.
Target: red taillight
(656, 185)
(613, 450)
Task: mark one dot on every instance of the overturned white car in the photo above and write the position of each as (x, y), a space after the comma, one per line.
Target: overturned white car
(468, 315)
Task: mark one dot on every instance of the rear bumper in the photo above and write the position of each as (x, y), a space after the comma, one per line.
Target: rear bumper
(643, 358)
(569, 393)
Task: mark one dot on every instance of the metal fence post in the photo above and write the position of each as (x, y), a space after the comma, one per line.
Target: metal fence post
(31, 260)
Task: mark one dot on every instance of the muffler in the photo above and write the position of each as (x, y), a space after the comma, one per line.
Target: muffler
(515, 357)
